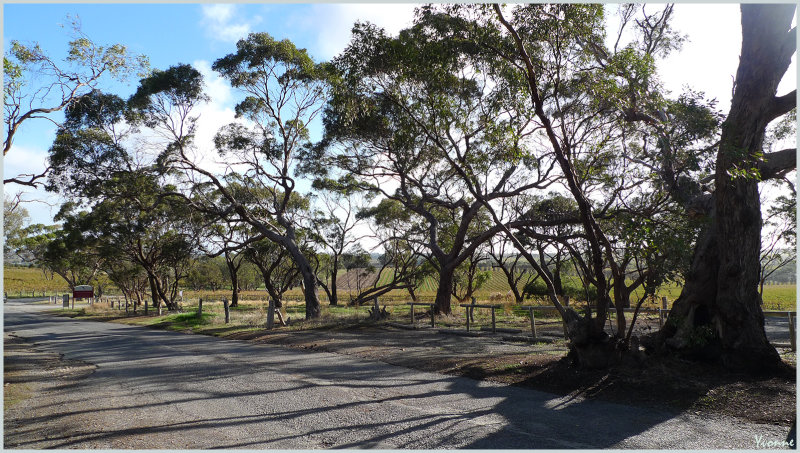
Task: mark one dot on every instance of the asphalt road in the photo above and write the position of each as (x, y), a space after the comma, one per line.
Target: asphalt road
(154, 389)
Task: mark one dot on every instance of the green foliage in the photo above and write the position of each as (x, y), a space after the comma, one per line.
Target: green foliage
(571, 288)
(37, 86)
(786, 127)
(281, 84)
(357, 258)
(64, 251)
(181, 84)
(15, 217)
(701, 336)
(259, 51)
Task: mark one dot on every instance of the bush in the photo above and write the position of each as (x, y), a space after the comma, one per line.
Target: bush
(574, 290)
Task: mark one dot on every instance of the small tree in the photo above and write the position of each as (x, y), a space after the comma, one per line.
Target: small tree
(517, 275)
(15, 216)
(358, 264)
(205, 274)
(468, 277)
(64, 251)
(778, 248)
(334, 228)
(277, 268)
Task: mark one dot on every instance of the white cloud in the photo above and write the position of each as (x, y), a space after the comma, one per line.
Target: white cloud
(222, 22)
(217, 88)
(214, 114)
(20, 160)
(333, 23)
(23, 159)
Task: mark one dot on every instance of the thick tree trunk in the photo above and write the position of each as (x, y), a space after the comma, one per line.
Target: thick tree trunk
(162, 295)
(302, 263)
(444, 291)
(274, 294)
(310, 290)
(702, 325)
(589, 344)
(233, 272)
(718, 315)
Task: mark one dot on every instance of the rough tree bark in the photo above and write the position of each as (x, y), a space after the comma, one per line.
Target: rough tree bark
(718, 315)
(233, 270)
(445, 289)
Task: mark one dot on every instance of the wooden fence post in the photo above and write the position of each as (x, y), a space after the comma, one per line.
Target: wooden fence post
(270, 313)
(433, 322)
(412, 314)
(533, 322)
(227, 310)
(466, 312)
(792, 338)
(472, 310)
(200, 307)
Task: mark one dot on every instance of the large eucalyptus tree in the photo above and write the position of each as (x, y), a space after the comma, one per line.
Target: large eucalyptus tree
(586, 104)
(284, 91)
(720, 302)
(419, 120)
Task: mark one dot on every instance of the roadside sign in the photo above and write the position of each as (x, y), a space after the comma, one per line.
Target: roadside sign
(83, 292)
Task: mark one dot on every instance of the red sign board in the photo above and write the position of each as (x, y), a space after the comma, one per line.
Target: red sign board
(83, 292)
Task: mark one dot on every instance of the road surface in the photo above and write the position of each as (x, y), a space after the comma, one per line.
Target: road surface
(155, 389)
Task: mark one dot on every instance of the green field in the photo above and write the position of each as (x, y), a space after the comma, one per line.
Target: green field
(22, 280)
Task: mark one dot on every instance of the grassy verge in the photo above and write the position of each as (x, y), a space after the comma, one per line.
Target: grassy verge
(250, 316)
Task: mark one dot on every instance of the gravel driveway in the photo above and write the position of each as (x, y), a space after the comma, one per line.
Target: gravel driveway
(154, 389)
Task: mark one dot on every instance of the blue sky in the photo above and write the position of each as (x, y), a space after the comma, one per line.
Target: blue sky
(199, 34)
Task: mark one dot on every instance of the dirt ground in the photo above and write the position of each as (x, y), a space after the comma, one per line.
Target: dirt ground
(664, 383)
(31, 374)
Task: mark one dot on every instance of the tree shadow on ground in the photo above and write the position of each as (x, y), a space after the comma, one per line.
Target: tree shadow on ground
(213, 393)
